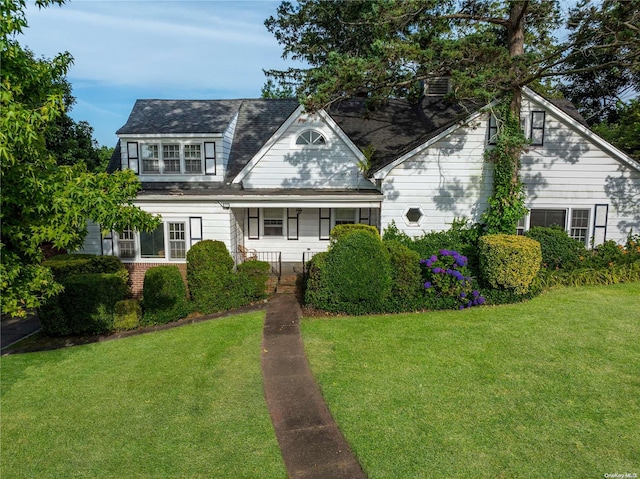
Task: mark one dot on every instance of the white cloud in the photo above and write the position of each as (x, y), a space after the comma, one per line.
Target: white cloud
(170, 44)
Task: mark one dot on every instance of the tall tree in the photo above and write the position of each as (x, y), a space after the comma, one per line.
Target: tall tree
(489, 48)
(599, 92)
(43, 201)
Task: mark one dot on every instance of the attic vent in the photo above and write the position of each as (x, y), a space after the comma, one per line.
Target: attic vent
(438, 86)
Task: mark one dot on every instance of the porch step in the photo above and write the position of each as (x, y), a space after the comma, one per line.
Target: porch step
(288, 284)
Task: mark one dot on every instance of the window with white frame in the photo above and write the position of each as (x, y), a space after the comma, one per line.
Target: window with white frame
(537, 128)
(273, 222)
(152, 243)
(345, 216)
(580, 225)
(548, 218)
(520, 226)
(150, 158)
(171, 158)
(193, 158)
(177, 241)
(126, 243)
(176, 158)
(311, 137)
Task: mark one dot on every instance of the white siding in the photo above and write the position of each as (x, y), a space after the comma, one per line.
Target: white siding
(287, 165)
(448, 180)
(570, 171)
(215, 219)
(308, 238)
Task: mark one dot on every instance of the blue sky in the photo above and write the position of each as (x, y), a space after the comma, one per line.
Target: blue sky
(125, 50)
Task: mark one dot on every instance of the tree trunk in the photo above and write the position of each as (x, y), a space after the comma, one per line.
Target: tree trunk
(515, 40)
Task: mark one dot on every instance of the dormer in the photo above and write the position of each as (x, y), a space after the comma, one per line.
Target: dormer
(179, 140)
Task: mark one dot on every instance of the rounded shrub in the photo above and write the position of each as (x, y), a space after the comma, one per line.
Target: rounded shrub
(559, 250)
(212, 283)
(340, 231)
(86, 306)
(358, 273)
(164, 295)
(316, 293)
(509, 261)
(255, 275)
(406, 291)
(127, 315)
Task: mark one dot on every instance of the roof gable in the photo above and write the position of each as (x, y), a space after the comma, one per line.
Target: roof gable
(258, 121)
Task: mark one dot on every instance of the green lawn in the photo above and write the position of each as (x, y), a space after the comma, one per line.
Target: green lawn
(549, 388)
(183, 403)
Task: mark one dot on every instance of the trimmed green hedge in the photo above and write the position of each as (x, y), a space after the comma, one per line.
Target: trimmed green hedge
(164, 295)
(340, 231)
(255, 274)
(354, 276)
(559, 250)
(509, 261)
(86, 306)
(212, 283)
(406, 278)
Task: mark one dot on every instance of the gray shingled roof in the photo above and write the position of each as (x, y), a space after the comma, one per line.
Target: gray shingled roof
(398, 126)
(180, 116)
(393, 129)
(257, 121)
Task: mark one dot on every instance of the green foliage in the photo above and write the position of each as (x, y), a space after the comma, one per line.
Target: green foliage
(67, 264)
(212, 283)
(317, 293)
(506, 204)
(359, 272)
(617, 273)
(86, 307)
(509, 261)
(354, 276)
(127, 315)
(461, 236)
(255, 274)
(340, 231)
(559, 250)
(43, 201)
(406, 291)
(623, 130)
(164, 295)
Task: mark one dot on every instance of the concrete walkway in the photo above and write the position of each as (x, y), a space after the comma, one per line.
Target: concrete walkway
(312, 446)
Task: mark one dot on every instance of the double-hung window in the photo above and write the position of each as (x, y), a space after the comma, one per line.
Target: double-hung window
(126, 243)
(273, 222)
(150, 158)
(171, 158)
(193, 158)
(177, 241)
(345, 216)
(537, 128)
(580, 225)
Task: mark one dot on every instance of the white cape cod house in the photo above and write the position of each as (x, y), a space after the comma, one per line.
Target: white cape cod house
(271, 180)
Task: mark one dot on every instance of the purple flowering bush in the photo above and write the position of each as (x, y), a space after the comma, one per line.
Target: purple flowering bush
(446, 276)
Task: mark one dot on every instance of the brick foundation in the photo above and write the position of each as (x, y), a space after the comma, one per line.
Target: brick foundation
(137, 271)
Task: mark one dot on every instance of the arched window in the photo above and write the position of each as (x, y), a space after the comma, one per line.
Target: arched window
(311, 137)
